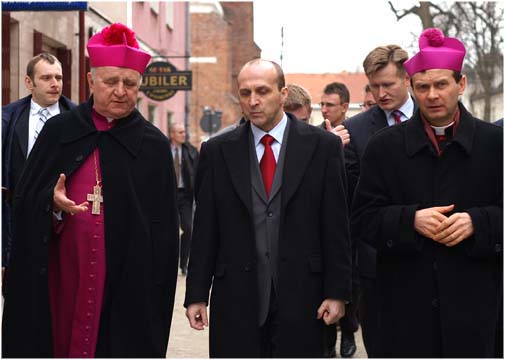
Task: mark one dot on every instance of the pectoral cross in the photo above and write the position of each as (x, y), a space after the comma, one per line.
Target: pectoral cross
(96, 198)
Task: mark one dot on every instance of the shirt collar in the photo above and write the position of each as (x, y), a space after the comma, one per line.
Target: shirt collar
(407, 109)
(53, 109)
(277, 132)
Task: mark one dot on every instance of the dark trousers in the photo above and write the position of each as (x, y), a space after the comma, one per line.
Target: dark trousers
(348, 324)
(269, 331)
(185, 208)
(368, 313)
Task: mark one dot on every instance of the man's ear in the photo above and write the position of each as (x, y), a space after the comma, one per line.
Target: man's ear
(462, 85)
(91, 82)
(29, 83)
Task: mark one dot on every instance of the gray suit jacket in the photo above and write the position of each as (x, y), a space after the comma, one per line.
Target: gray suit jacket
(266, 215)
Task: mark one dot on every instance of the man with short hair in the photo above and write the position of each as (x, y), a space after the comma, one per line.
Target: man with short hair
(22, 122)
(265, 236)
(368, 99)
(94, 263)
(185, 158)
(334, 103)
(298, 102)
(430, 201)
(389, 85)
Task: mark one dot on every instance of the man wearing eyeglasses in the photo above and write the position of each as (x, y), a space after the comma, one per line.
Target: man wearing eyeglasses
(389, 84)
(368, 100)
(334, 103)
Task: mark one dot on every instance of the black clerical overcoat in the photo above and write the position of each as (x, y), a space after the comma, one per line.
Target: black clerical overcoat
(434, 300)
(141, 236)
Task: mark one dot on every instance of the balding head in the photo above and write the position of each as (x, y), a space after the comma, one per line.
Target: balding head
(177, 133)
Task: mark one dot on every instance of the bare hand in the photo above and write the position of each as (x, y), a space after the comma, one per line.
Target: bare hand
(338, 130)
(454, 229)
(61, 202)
(427, 221)
(331, 311)
(197, 316)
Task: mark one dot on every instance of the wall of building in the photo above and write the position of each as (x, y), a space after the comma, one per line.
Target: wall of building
(58, 29)
(162, 27)
(221, 42)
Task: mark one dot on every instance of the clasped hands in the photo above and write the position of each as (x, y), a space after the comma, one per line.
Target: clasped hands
(448, 230)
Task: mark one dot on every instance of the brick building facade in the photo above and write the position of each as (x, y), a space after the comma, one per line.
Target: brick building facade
(222, 40)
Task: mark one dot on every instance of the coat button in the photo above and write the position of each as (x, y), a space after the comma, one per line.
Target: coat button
(270, 214)
(497, 248)
(248, 267)
(389, 243)
(42, 271)
(79, 158)
(434, 303)
(44, 239)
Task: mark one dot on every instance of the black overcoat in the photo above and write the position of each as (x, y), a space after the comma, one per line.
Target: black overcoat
(428, 292)
(314, 248)
(141, 236)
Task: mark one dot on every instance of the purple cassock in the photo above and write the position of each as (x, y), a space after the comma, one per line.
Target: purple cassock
(77, 265)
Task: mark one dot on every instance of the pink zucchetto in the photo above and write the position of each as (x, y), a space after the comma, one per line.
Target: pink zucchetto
(116, 45)
(436, 52)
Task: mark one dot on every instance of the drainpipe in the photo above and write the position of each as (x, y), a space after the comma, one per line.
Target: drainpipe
(187, 93)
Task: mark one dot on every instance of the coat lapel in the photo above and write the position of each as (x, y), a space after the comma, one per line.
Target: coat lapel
(299, 151)
(378, 122)
(21, 130)
(236, 157)
(256, 178)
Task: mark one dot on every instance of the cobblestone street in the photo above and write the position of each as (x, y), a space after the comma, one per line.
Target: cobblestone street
(188, 343)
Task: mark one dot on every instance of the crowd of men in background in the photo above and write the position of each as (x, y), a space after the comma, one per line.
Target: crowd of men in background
(398, 228)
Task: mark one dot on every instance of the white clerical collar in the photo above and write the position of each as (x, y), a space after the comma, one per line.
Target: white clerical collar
(53, 109)
(440, 130)
(277, 132)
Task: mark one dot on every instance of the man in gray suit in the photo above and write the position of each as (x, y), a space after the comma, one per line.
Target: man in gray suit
(265, 236)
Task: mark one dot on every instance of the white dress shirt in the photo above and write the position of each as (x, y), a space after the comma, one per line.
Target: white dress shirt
(407, 110)
(34, 119)
(277, 133)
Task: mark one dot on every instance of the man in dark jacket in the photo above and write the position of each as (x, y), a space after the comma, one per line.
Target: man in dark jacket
(267, 237)
(185, 158)
(389, 84)
(22, 121)
(429, 199)
(94, 262)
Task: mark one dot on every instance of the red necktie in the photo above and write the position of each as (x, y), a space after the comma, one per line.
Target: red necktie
(267, 163)
(397, 115)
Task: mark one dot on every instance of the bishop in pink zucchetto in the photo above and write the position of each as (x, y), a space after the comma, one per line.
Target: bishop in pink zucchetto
(436, 52)
(100, 190)
(116, 45)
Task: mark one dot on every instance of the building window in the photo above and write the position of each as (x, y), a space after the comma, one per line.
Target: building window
(169, 14)
(155, 7)
(151, 113)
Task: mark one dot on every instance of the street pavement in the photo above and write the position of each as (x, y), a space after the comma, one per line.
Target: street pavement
(188, 343)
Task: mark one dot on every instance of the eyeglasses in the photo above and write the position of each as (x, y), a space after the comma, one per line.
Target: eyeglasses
(327, 104)
(367, 105)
